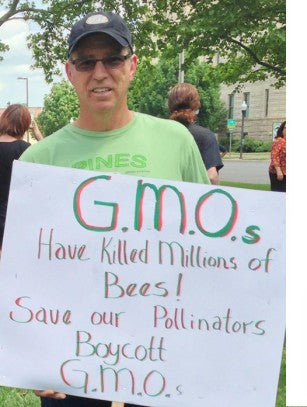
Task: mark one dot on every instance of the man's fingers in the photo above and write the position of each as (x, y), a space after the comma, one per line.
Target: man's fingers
(50, 393)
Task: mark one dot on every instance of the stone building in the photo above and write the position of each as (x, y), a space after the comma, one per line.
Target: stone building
(266, 108)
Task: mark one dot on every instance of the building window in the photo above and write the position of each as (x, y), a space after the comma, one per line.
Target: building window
(246, 96)
(231, 100)
(266, 103)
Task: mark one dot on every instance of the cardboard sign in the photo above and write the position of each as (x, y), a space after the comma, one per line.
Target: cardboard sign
(153, 292)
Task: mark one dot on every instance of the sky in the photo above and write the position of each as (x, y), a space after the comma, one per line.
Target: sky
(16, 63)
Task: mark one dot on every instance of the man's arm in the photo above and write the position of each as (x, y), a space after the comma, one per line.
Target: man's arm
(213, 175)
(36, 131)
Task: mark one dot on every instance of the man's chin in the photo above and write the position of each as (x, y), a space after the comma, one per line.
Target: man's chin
(101, 106)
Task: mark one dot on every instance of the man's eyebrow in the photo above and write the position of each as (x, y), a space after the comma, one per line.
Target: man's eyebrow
(91, 56)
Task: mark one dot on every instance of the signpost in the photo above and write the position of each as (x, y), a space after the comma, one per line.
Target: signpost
(231, 124)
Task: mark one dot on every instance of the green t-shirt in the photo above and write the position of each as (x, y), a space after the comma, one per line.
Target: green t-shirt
(147, 146)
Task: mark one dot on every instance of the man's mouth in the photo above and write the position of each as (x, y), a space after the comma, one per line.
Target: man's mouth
(101, 90)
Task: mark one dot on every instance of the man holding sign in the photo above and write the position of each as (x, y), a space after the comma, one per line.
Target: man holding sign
(107, 136)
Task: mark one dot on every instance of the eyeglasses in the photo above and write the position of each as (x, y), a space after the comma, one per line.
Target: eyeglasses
(111, 62)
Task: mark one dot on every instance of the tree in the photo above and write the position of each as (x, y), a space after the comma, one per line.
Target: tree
(248, 35)
(59, 107)
(150, 95)
(53, 22)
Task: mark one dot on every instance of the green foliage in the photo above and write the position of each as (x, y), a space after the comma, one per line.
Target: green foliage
(248, 35)
(149, 91)
(59, 107)
(213, 111)
(12, 397)
(281, 395)
(3, 48)
(250, 145)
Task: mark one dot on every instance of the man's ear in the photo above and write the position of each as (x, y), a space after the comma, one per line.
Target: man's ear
(133, 65)
(68, 71)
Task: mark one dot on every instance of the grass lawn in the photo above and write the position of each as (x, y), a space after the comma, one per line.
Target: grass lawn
(262, 187)
(21, 398)
(10, 397)
(281, 395)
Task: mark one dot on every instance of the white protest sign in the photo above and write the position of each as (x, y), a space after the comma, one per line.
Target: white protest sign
(153, 292)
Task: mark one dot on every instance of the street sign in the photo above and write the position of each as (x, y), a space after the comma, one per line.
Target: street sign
(231, 123)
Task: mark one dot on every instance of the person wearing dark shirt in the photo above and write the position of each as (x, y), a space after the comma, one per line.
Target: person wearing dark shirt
(14, 122)
(184, 104)
(223, 150)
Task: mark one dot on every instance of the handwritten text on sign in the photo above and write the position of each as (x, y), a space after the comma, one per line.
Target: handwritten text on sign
(148, 291)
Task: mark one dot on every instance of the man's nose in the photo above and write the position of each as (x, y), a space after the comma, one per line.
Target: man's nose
(99, 70)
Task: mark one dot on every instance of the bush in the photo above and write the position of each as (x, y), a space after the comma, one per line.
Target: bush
(250, 145)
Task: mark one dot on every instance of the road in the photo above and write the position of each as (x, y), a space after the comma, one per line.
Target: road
(251, 171)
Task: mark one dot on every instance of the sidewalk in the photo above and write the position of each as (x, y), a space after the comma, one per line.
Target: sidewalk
(247, 156)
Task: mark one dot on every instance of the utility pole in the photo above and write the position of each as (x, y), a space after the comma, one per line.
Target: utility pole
(243, 111)
(27, 98)
(181, 67)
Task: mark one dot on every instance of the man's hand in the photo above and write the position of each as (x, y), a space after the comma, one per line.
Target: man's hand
(36, 131)
(50, 393)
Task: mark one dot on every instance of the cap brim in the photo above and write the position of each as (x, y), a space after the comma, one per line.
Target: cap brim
(122, 41)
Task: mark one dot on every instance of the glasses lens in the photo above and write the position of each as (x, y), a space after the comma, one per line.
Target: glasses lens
(88, 64)
(84, 65)
(114, 62)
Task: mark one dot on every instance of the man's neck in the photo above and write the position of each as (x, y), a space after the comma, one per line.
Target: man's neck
(104, 121)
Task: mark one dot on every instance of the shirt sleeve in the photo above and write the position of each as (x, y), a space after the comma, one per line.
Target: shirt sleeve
(208, 146)
(275, 154)
(211, 153)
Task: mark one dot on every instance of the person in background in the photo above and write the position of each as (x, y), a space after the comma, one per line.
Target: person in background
(223, 150)
(107, 136)
(14, 122)
(277, 168)
(184, 104)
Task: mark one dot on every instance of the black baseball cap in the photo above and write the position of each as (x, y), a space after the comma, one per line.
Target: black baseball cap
(100, 22)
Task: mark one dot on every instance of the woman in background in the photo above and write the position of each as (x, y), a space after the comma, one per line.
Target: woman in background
(184, 104)
(14, 122)
(277, 169)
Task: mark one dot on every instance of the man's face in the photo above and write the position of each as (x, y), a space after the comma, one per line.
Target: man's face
(103, 88)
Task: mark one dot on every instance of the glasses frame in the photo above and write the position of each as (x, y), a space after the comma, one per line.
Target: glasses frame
(104, 61)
